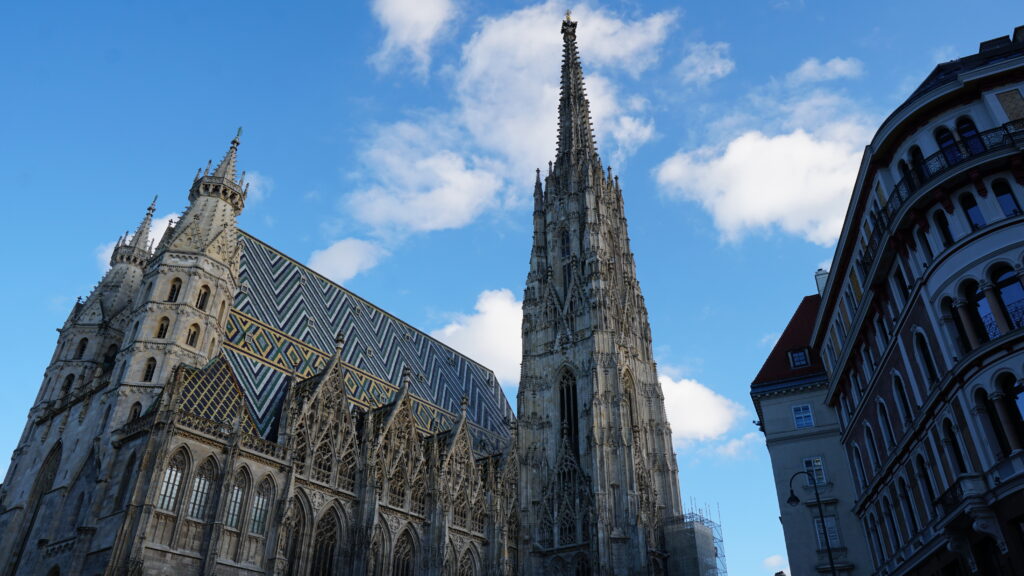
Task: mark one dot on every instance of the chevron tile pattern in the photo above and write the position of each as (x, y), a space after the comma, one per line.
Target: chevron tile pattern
(286, 317)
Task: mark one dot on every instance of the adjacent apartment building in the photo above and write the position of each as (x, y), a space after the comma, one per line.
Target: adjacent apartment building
(802, 434)
(920, 331)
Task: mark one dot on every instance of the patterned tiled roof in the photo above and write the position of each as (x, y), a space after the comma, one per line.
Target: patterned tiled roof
(286, 318)
(213, 393)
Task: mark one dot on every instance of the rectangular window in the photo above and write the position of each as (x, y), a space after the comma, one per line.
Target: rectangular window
(802, 417)
(833, 532)
(798, 358)
(815, 468)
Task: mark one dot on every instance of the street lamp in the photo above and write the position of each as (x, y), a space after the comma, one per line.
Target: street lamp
(793, 501)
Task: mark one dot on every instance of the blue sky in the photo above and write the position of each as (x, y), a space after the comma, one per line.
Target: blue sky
(392, 145)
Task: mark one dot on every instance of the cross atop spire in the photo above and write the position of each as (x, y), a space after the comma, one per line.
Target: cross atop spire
(575, 134)
(226, 168)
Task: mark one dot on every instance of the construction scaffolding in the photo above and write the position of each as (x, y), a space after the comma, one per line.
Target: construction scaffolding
(703, 546)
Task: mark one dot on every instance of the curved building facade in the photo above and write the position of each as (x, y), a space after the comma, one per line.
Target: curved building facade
(921, 326)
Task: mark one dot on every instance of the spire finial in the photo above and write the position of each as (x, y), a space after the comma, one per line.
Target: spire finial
(141, 237)
(568, 15)
(226, 168)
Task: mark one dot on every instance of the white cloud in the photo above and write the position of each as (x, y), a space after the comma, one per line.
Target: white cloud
(411, 27)
(794, 170)
(345, 258)
(156, 232)
(420, 184)
(734, 447)
(768, 339)
(696, 412)
(704, 63)
(259, 186)
(492, 335)
(776, 562)
(814, 70)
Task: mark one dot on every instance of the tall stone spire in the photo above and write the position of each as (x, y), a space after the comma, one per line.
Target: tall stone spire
(597, 471)
(575, 131)
(141, 237)
(226, 168)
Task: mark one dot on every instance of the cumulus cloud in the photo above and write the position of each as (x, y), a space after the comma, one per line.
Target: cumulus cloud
(696, 412)
(776, 562)
(705, 63)
(793, 170)
(411, 27)
(740, 446)
(259, 186)
(491, 335)
(420, 184)
(814, 70)
(156, 232)
(345, 258)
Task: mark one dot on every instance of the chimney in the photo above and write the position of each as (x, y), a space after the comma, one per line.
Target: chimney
(821, 278)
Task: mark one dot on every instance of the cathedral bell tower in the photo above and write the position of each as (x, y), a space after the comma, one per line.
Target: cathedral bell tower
(598, 477)
(190, 281)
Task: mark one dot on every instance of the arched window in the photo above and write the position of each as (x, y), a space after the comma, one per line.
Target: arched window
(168, 499)
(1007, 201)
(69, 382)
(135, 411)
(375, 563)
(419, 496)
(80, 350)
(953, 446)
(565, 246)
(220, 313)
(205, 477)
(917, 165)
(906, 503)
(582, 566)
(396, 488)
(149, 370)
(235, 500)
(902, 400)
(203, 298)
(948, 146)
(347, 471)
(479, 517)
(126, 481)
(325, 546)
(942, 223)
(886, 426)
(872, 448)
(990, 424)
(905, 176)
(895, 535)
(969, 135)
(1011, 295)
(979, 312)
(109, 356)
(467, 566)
(404, 563)
(261, 506)
(193, 335)
(322, 461)
(877, 552)
(924, 356)
(568, 413)
(970, 207)
(174, 290)
(460, 515)
(926, 248)
(925, 481)
(162, 326)
(295, 530)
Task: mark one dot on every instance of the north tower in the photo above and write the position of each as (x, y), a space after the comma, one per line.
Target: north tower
(598, 480)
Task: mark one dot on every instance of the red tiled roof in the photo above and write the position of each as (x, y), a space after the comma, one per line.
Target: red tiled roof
(796, 336)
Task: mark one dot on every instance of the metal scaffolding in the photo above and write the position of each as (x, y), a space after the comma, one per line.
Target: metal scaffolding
(704, 545)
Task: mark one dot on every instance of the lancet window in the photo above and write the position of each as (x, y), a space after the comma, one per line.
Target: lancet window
(261, 506)
(405, 556)
(235, 500)
(325, 546)
(171, 482)
(568, 412)
(199, 498)
(322, 462)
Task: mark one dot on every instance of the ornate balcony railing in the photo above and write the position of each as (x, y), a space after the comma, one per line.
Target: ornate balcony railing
(258, 444)
(1007, 136)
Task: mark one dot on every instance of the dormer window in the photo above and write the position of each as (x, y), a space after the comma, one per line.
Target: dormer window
(799, 358)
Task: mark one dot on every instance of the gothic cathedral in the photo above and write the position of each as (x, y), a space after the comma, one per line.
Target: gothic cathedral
(215, 407)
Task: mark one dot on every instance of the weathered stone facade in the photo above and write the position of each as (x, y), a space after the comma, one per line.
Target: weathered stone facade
(192, 421)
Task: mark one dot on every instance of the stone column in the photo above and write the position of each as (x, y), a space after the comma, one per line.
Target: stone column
(965, 320)
(997, 307)
(1006, 421)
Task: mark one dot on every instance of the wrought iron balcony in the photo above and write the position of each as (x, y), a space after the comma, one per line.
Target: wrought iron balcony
(1007, 136)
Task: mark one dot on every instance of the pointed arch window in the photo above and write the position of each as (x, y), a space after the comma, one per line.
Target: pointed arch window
(396, 487)
(174, 291)
(203, 299)
(201, 483)
(405, 556)
(149, 370)
(460, 516)
(235, 500)
(135, 411)
(162, 327)
(347, 471)
(467, 566)
(300, 451)
(479, 517)
(295, 538)
(568, 412)
(69, 382)
(261, 506)
(171, 482)
(322, 463)
(80, 350)
(192, 339)
(325, 545)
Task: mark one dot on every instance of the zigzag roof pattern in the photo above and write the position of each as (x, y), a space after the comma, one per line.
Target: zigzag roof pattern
(286, 318)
